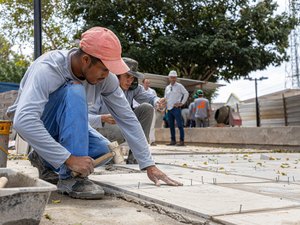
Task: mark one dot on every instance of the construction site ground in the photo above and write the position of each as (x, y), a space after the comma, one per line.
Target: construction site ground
(221, 186)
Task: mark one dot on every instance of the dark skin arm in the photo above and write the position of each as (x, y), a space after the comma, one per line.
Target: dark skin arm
(156, 175)
(80, 164)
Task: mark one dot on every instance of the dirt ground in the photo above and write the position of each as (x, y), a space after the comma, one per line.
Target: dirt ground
(110, 210)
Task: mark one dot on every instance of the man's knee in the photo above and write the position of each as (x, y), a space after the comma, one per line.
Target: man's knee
(144, 109)
(75, 88)
(75, 92)
(146, 106)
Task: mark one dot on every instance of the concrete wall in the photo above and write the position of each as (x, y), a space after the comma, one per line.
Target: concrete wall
(6, 100)
(270, 136)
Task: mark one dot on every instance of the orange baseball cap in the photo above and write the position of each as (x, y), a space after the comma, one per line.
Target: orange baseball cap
(103, 44)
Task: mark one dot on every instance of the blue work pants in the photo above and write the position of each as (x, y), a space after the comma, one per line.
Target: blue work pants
(66, 119)
(175, 114)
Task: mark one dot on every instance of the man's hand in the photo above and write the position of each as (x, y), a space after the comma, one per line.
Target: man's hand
(161, 104)
(80, 164)
(107, 118)
(177, 105)
(156, 175)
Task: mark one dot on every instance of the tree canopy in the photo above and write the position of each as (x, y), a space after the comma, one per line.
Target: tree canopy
(12, 65)
(202, 40)
(18, 18)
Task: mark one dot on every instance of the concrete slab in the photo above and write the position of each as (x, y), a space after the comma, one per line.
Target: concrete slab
(278, 217)
(281, 189)
(164, 149)
(272, 136)
(199, 176)
(199, 199)
(283, 166)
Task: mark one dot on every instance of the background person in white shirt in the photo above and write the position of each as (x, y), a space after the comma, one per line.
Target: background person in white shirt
(176, 96)
(146, 84)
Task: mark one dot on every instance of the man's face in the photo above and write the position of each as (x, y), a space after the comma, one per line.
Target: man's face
(125, 81)
(146, 84)
(94, 73)
(172, 80)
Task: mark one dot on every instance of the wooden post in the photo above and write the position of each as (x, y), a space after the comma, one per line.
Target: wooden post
(285, 111)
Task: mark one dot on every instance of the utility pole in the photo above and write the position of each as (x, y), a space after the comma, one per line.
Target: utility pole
(293, 76)
(256, 97)
(37, 29)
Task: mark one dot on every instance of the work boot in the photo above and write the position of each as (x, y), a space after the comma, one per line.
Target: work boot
(80, 187)
(45, 173)
(181, 143)
(130, 158)
(172, 143)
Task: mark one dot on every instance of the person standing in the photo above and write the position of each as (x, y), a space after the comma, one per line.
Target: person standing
(202, 110)
(192, 112)
(176, 96)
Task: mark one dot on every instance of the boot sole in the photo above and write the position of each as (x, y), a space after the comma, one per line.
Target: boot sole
(81, 195)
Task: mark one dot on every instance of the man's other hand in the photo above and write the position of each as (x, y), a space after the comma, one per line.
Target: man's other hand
(161, 104)
(107, 118)
(178, 105)
(156, 175)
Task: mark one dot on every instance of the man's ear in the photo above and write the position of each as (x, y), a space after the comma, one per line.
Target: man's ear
(85, 59)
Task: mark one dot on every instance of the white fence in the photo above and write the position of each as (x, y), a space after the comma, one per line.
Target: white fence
(273, 113)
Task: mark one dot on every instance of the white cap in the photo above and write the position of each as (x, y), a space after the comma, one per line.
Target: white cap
(172, 73)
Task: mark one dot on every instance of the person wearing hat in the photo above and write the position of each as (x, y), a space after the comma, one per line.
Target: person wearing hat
(192, 111)
(202, 110)
(176, 96)
(50, 112)
(133, 91)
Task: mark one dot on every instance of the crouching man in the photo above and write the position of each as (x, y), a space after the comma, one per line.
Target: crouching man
(51, 112)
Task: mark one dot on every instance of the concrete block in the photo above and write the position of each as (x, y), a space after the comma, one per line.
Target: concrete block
(278, 217)
(205, 200)
(277, 136)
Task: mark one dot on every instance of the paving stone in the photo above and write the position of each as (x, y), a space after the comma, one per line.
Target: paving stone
(281, 189)
(278, 217)
(199, 199)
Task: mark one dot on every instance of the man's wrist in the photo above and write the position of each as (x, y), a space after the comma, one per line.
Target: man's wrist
(148, 167)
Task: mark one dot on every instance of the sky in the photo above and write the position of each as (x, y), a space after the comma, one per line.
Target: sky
(245, 89)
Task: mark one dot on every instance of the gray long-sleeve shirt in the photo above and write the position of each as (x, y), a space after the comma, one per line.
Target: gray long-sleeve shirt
(139, 94)
(47, 74)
